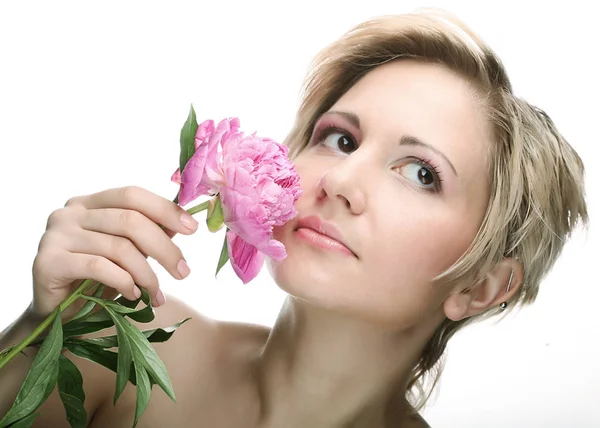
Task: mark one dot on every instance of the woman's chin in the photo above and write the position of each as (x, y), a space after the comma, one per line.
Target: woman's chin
(305, 278)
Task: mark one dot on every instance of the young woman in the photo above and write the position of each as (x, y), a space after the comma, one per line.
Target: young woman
(432, 197)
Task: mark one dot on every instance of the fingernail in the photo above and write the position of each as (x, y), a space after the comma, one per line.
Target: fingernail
(188, 221)
(160, 298)
(183, 268)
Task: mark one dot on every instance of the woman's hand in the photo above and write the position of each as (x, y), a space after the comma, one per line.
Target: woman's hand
(107, 236)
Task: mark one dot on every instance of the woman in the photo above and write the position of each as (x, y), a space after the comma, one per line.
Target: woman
(432, 197)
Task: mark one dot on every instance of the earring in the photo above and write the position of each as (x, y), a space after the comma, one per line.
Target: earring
(503, 305)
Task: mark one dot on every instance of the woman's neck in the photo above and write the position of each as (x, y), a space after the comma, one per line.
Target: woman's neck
(323, 369)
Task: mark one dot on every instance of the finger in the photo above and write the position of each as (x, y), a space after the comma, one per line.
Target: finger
(108, 293)
(77, 265)
(153, 206)
(120, 251)
(146, 235)
(170, 233)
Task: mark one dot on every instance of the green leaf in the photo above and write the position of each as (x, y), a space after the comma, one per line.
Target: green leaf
(186, 139)
(70, 380)
(105, 342)
(163, 334)
(88, 324)
(125, 356)
(145, 297)
(89, 306)
(142, 351)
(153, 335)
(99, 316)
(25, 422)
(41, 378)
(83, 349)
(224, 257)
(143, 391)
(92, 352)
(144, 315)
(214, 217)
(76, 413)
(70, 388)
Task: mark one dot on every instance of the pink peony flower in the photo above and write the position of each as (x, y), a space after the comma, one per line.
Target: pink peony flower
(257, 185)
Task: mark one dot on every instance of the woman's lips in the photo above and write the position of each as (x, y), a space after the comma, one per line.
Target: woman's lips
(322, 241)
(322, 235)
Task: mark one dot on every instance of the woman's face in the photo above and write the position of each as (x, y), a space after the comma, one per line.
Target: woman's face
(398, 167)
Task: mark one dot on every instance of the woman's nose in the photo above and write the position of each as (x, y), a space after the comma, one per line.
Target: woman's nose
(341, 186)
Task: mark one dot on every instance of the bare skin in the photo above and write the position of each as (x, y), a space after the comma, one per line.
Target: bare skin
(217, 390)
(355, 322)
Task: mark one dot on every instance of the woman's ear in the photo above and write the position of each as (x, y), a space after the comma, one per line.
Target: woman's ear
(499, 286)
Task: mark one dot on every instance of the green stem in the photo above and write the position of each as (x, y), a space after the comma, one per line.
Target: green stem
(45, 324)
(198, 208)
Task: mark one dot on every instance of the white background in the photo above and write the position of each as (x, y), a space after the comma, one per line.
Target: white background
(93, 95)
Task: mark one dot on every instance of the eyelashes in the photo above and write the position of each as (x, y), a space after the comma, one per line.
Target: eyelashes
(323, 131)
(423, 173)
(425, 167)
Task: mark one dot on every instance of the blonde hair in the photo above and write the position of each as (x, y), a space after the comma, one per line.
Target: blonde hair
(535, 177)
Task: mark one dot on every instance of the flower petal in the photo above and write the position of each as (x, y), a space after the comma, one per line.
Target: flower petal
(213, 177)
(191, 177)
(275, 250)
(176, 177)
(245, 259)
(203, 133)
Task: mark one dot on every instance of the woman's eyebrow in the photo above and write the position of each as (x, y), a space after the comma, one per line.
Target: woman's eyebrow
(411, 140)
(349, 116)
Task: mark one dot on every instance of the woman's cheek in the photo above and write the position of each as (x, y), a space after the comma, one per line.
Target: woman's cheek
(413, 238)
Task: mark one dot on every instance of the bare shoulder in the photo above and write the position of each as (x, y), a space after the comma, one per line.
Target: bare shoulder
(212, 343)
(181, 351)
(201, 359)
(204, 359)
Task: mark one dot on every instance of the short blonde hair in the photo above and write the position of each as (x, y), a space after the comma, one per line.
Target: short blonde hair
(535, 177)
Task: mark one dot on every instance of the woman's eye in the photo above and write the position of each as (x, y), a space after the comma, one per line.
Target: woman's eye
(419, 174)
(339, 141)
